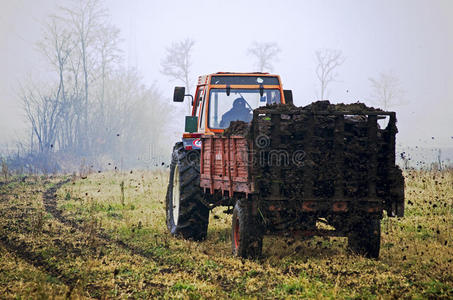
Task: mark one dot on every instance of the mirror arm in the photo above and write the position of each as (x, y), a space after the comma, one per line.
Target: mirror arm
(189, 95)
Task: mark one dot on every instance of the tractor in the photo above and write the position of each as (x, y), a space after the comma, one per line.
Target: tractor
(318, 170)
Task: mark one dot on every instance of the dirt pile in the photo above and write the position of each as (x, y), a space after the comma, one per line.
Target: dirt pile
(315, 151)
(357, 107)
(237, 128)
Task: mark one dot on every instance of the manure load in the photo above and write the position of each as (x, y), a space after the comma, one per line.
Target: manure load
(325, 151)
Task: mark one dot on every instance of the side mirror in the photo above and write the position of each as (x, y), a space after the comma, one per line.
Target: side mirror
(191, 124)
(288, 94)
(178, 95)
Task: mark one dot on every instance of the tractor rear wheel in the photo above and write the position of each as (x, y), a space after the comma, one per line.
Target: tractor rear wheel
(365, 237)
(246, 232)
(187, 216)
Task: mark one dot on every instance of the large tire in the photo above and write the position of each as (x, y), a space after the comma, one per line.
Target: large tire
(365, 237)
(246, 232)
(187, 216)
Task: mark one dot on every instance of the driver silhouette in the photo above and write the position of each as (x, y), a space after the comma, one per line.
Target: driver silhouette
(239, 112)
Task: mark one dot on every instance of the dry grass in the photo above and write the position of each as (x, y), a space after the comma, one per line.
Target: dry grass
(120, 248)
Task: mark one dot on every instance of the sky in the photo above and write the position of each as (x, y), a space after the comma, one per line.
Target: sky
(413, 39)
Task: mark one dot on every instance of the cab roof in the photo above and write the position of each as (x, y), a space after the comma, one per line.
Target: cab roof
(241, 74)
(203, 79)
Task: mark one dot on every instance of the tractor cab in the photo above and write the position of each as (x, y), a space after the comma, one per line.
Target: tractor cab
(221, 98)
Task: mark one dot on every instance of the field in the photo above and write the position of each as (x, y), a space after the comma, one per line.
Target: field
(105, 237)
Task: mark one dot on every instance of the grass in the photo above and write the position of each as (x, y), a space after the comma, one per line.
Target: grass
(76, 262)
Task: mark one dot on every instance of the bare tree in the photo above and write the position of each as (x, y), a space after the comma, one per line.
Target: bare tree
(42, 112)
(328, 60)
(57, 46)
(108, 57)
(265, 54)
(109, 54)
(386, 91)
(177, 62)
(86, 17)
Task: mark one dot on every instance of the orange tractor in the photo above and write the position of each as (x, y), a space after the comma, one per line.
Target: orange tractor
(283, 169)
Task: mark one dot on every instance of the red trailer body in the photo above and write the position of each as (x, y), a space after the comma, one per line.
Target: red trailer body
(225, 164)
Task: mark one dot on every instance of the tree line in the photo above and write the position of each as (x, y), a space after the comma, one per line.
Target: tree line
(92, 110)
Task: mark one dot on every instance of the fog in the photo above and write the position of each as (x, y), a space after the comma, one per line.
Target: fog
(413, 40)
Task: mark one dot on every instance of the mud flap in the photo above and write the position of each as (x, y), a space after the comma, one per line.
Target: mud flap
(396, 207)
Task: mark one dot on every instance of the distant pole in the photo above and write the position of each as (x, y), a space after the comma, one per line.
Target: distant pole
(439, 161)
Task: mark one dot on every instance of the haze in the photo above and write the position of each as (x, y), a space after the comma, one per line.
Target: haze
(412, 39)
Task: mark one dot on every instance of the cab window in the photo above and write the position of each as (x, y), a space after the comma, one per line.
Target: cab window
(200, 108)
(238, 105)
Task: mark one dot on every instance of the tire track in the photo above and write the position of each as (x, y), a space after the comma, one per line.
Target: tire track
(38, 261)
(24, 251)
(49, 199)
(50, 205)
(20, 250)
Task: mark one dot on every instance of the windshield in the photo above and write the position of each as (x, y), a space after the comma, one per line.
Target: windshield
(238, 105)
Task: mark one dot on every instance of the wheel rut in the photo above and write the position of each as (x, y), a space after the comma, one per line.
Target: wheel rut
(38, 261)
(50, 205)
(21, 250)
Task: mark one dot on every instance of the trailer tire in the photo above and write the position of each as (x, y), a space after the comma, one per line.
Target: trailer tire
(246, 232)
(186, 214)
(364, 238)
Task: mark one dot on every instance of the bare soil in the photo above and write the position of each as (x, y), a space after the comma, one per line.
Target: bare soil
(81, 240)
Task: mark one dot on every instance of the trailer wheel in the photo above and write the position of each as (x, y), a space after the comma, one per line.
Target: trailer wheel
(187, 216)
(365, 237)
(246, 232)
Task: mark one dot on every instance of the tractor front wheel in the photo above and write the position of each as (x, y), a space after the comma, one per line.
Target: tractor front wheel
(187, 216)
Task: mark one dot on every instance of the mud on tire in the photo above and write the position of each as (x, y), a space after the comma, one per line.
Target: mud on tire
(187, 216)
(246, 232)
(364, 237)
